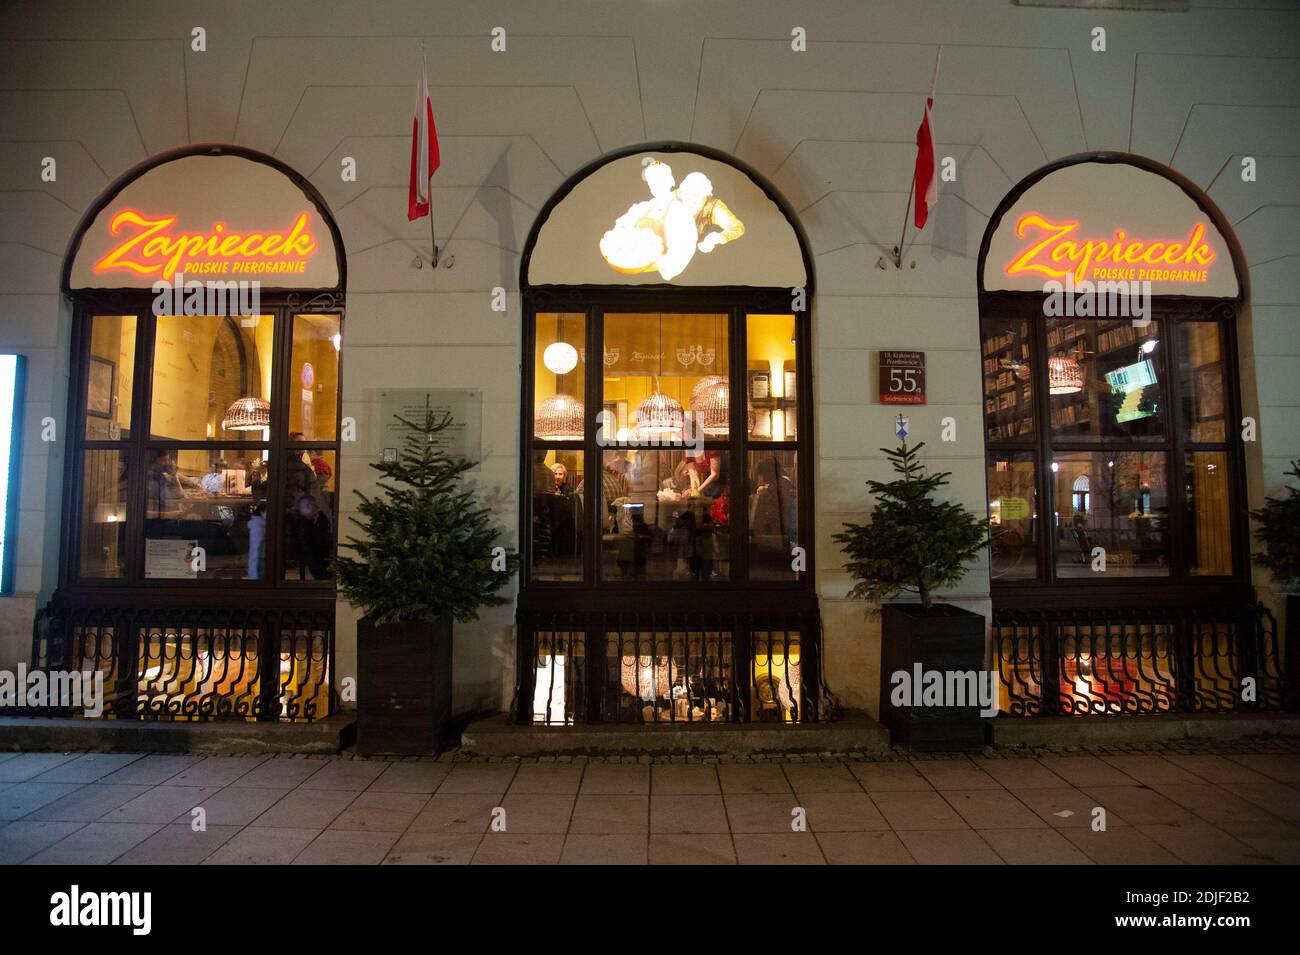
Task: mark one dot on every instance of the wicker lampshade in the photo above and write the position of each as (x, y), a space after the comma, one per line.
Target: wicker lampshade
(247, 414)
(644, 676)
(559, 418)
(706, 382)
(660, 416)
(1064, 375)
(711, 402)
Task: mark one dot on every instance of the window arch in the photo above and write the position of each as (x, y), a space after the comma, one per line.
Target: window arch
(1109, 417)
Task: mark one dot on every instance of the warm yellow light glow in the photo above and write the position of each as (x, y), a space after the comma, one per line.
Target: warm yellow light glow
(663, 232)
(560, 357)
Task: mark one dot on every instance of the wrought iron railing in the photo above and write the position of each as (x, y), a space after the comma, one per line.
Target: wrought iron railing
(579, 667)
(1084, 662)
(193, 664)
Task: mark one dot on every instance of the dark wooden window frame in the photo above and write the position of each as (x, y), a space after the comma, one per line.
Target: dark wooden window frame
(1179, 588)
(1043, 445)
(132, 586)
(735, 303)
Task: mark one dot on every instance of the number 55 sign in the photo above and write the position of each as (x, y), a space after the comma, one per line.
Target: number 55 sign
(902, 377)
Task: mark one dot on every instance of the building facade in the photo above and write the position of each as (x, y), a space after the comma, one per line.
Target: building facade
(803, 123)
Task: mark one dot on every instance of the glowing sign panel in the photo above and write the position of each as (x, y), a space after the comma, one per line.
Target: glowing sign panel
(152, 248)
(1111, 219)
(663, 233)
(1054, 251)
(12, 368)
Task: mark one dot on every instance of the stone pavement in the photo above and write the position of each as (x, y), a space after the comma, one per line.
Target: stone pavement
(1226, 803)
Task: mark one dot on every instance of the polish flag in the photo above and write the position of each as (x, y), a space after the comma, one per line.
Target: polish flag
(424, 151)
(927, 183)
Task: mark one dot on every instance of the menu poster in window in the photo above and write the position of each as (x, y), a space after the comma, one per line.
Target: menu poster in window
(902, 377)
(461, 438)
(164, 557)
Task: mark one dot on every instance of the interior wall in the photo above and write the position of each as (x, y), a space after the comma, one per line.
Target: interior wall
(101, 86)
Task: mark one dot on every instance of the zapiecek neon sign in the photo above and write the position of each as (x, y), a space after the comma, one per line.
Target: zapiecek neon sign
(150, 248)
(1054, 252)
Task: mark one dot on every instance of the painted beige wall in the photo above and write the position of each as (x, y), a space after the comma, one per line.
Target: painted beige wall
(101, 86)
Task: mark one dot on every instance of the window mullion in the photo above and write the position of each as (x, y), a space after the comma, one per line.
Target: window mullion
(137, 465)
(738, 443)
(281, 359)
(1043, 430)
(1173, 396)
(593, 465)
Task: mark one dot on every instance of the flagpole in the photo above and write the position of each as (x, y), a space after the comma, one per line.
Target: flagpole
(428, 184)
(907, 214)
(934, 83)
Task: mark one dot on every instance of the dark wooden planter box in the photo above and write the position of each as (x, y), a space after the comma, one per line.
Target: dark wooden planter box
(946, 638)
(403, 686)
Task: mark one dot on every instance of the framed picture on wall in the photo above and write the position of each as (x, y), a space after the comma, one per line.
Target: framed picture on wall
(100, 382)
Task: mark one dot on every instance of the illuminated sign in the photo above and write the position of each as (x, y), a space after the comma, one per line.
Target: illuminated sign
(1110, 221)
(1055, 250)
(663, 233)
(152, 248)
(12, 374)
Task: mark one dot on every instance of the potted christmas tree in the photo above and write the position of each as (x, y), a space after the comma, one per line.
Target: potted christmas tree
(919, 544)
(429, 555)
(1278, 532)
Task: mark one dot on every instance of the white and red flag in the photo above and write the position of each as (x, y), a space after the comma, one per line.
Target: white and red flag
(424, 152)
(927, 183)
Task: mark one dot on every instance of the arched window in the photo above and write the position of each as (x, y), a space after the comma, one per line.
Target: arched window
(1081, 489)
(202, 477)
(666, 469)
(1109, 292)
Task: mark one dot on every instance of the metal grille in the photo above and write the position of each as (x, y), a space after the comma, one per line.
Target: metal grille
(193, 664)
(670, 668)
(1086, 662)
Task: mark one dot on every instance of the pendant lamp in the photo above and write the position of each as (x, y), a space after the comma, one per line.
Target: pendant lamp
(559, 418)
(1064, 375)
(247, 414)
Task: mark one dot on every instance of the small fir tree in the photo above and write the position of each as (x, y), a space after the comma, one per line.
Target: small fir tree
(1278, 531)
(914, 542)
(428, 547)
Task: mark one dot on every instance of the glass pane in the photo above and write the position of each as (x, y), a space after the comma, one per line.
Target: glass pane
(1210, 528)
(665, 515)
(309, 501)
(110, 377)
(1115, 500)
(1200, 370)
(314, 387)
(558, 488)
(676, 677)
(773, 514)
(1013, 517)
(559, 370)
(1103, 379)
(1008, 388)
(214, 499)
(777, 692)
(212, 377)
(103, 515)
(660, 366)
(770, 377)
